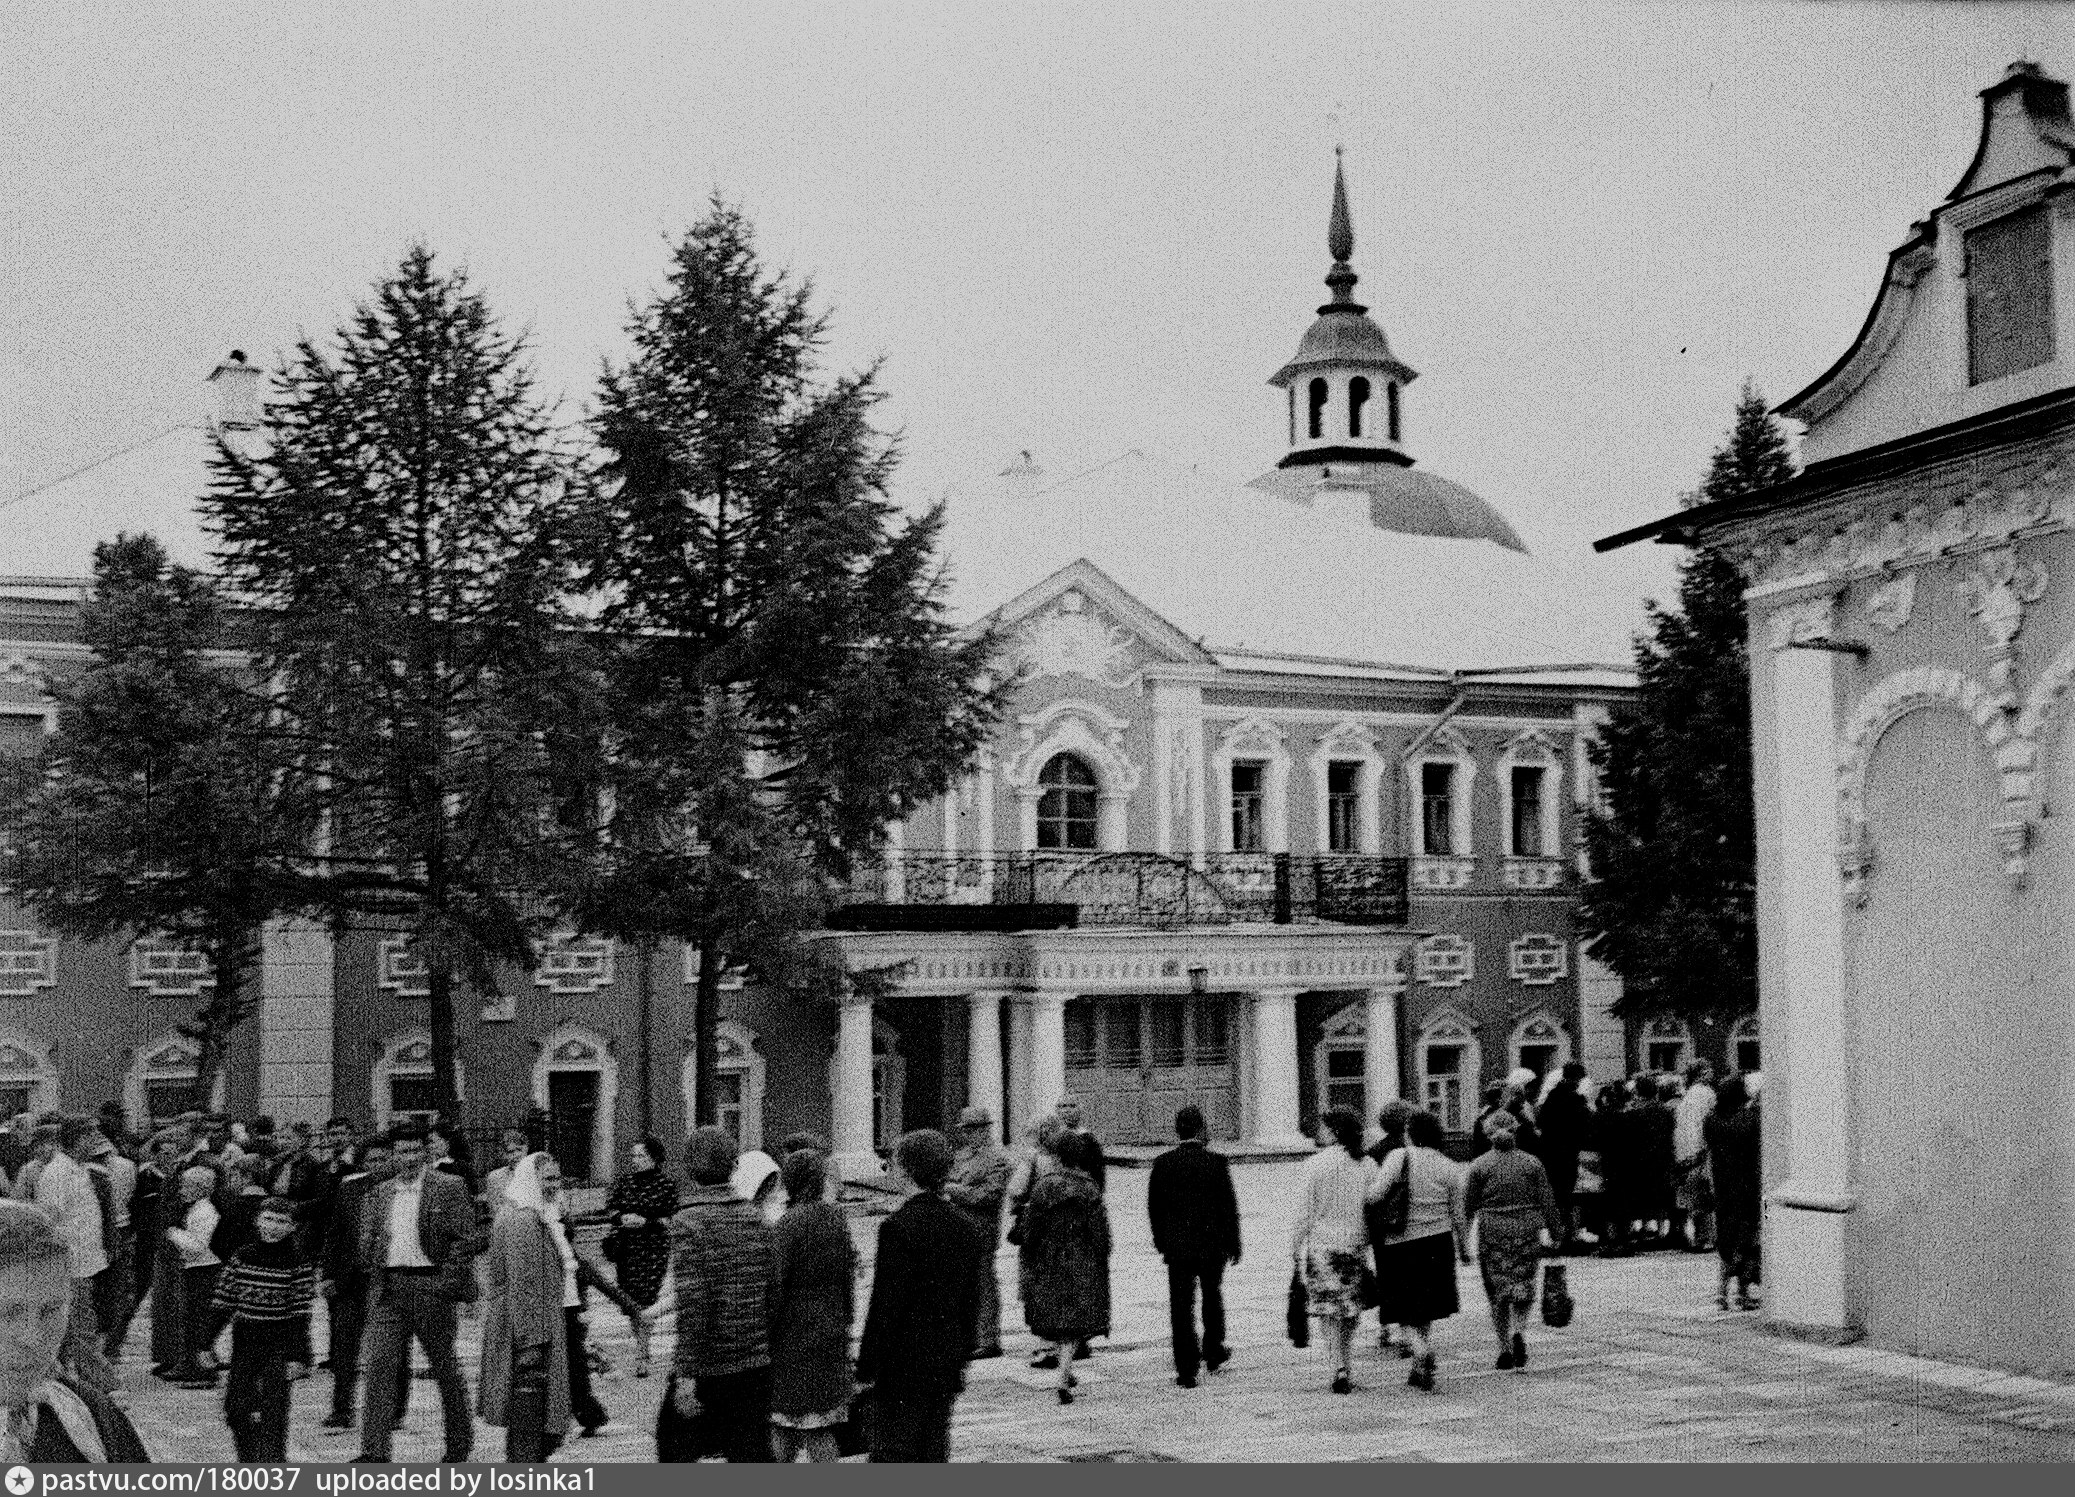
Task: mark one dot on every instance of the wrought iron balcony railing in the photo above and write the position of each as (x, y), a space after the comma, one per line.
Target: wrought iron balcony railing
(919, 890)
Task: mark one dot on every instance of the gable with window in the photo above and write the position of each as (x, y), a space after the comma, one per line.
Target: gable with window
(2009, 269)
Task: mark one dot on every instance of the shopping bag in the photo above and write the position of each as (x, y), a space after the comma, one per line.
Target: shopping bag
(1557, 1305)
(1299, 1316)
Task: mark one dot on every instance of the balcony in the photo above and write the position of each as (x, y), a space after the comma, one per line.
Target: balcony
(914, 890)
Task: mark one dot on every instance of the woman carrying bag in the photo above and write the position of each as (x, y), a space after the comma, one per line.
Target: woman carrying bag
(1330, 1238)
(1418, 1193)
(1507, 1194)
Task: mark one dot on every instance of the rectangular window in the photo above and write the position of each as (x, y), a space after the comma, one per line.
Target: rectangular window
(1527, 812)
(163, 1100)
(1126, 1044)
(1746, 1055)
(1437, 810)
(1666, 1056)
(727, 1103)
(2009, 295)
(1343, 807)
(412, 1094)
(1080, 1035)
(1344, 1080)
(1248, 795)
(1170, 1027)
(1444, 1085)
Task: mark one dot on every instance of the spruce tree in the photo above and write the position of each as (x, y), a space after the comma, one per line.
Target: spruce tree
(1671, 901)
(396, 534)
(780, 679)
(149, 811)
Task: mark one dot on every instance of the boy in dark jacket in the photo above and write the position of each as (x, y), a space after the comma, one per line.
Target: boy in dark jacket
(264, 1294)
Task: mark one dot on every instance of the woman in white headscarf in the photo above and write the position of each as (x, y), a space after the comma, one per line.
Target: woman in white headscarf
(756, 1181)
(532, 1298)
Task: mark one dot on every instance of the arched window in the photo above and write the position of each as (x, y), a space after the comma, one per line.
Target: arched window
(1066, 816)
(1667, 1045)
(1357, 397)
(1390, 403)
(1318, 408)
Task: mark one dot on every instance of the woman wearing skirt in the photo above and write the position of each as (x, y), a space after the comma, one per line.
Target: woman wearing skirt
(1506, 1193)
(1415, 1267)
(1330, 1236)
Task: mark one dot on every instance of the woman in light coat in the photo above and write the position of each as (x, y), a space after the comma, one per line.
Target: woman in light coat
(1330, 1236)
(1415, 1264)
(531, 1268)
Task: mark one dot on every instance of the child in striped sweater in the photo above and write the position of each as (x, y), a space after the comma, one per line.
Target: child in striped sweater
(264, 1294)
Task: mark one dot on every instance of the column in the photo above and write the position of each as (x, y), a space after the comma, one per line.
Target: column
(1022, 1105)
(1273, 1106)
(1804, 1252)
(1047, 1051)
(983, 1055)
(856, 1158)
(1380, 1053)
(295, 1022)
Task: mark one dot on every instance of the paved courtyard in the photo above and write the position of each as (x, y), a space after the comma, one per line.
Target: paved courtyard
(1649, 1371)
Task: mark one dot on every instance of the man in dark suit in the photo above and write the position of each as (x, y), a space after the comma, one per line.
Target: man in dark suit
(1195, 1218)
(925, 1309)
(344, 1276)
(419, 1238)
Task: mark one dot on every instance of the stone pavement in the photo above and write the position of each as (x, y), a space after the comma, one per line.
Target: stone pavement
(1649, 1371)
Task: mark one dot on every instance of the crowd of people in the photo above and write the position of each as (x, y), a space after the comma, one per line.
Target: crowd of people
(222, 1227)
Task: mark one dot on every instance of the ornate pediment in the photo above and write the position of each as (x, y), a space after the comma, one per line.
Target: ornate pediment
(1074, 638)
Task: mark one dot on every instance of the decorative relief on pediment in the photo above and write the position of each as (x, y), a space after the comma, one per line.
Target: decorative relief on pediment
(1080, 728)
(1996, 589)
(1074, 639)
(1890, 604)
(1800, 623)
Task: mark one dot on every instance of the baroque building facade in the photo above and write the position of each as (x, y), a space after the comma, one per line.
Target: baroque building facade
(1912, 636)
(1328, 861)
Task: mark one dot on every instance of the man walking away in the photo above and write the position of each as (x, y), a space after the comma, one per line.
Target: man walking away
(66, 1192)
(419, 1239)
(1195, 1217)
(723, 1257)
(344, 1277)
(979, 1183)
(919, 1327)
(1566, 1125)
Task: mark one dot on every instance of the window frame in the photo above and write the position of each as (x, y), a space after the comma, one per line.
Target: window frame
(1071, 795)
(2007, 263)
(1248, 810)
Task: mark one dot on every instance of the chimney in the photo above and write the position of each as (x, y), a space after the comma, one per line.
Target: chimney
(237, 394)
(1022, 477)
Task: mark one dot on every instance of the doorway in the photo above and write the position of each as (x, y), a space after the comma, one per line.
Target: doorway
(573, 1123)
(1134, 1062)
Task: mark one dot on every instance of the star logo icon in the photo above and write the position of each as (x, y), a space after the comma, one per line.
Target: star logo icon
(20, 1480)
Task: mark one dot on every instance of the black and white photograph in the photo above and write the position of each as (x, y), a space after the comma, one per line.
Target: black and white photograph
(1149, 733)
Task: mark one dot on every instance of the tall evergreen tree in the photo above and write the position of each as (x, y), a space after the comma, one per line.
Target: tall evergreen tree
(1671, 902)
(149, 813)
(395, 534)
(781, 679)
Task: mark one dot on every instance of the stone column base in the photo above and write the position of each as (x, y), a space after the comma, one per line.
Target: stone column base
(1804, 1262)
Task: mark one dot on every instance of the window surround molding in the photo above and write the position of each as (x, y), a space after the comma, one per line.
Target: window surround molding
(1095, 737)
(1351, 743)
(571, 1047)
(162, 968)
(1254, 739)
(1346, 1030)
(1541, 868)
(1445, 961)
(405, 1054)
(1449, 1025)
(1664, 1029)
(1454, 869)
(1538, 959)
(25, 1059)
(28, 963)
(736, 1052)
(170, 1057)
(1539, 1027)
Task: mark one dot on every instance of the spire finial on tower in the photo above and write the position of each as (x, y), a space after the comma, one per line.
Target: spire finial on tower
(1340, 239)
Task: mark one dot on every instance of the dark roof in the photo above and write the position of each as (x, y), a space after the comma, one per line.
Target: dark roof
(2024, 421)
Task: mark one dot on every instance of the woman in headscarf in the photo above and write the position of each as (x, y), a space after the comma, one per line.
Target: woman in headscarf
(641, 1204)
(1066, 1257)
(756, 1181)
(532, 1326)
(1506, 1194)
(813, 1301)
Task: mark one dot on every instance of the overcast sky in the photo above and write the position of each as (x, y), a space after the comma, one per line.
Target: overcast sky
(1073, 229)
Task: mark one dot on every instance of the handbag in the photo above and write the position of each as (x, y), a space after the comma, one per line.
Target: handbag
(1394, 1211)
(1557, 1305)
(1299, 1313)
(853, 1435)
